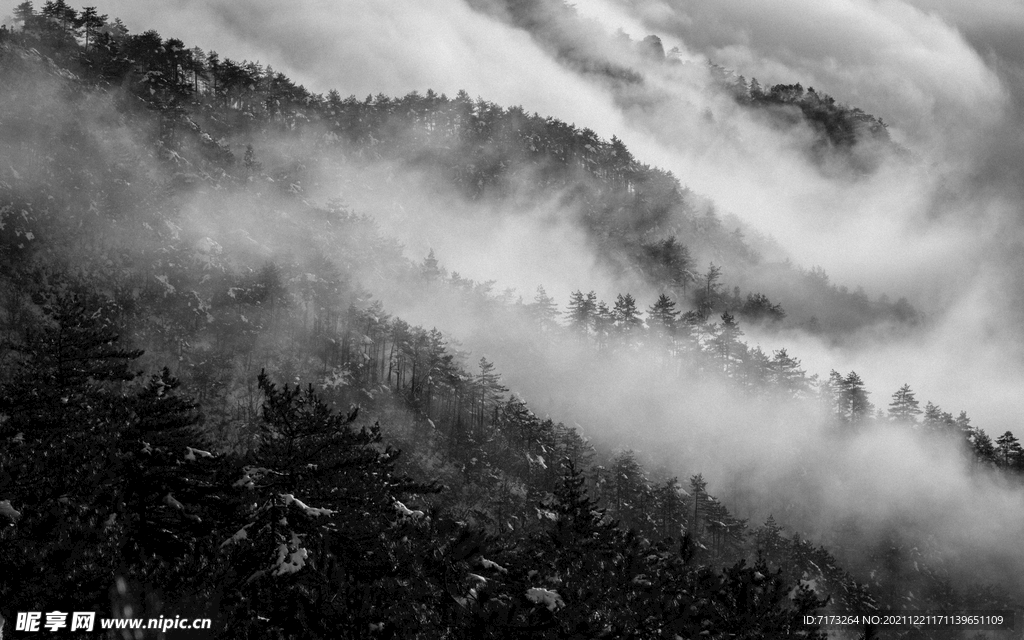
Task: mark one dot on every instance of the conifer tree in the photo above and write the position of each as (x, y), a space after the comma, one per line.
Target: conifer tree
(849, 398)
(63, 16)
(89, 21)
(544, 310)
(963, 427)
(754, 371)
(627, 316)
(663, 317)
(984, 449)
(25, 14)
(490, 395)
(938, 421)
(708, 295)
(904, 406)
(586, 550)
(670, 515)
(73, 407)
(770, 542)
(581, 312)
(324, 518)
(630, 491)
(1009, 450)
(698, 491)
(856, 397)
(727, 343)
(430, 268)
(604, 325)
(787, 375)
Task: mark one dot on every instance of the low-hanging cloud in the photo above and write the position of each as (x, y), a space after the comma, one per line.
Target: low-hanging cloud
(362, 47)
(935, 228)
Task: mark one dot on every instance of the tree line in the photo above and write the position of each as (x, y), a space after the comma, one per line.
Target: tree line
(214, 484)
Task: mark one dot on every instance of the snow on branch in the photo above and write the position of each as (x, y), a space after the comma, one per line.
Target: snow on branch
(9, 511)
(289, 561)
(239, 535)
(170, 501)
(406, 511)
(192, 453)
(289, 499)
(252, 474)
(487, 564)
(549, 599)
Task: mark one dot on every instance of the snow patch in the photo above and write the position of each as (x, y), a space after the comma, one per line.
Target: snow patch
(168, 287)
(544, 513)
(487, 564)
(406, 511)
(549, 599)
(339, 378)
(208, 245)
(9, 511)
(252, 474)
(239, 535)
(192, 453)
(289, 561)
(289, 499)
(171, 502)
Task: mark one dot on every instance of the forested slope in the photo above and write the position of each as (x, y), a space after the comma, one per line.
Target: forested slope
(194, 342)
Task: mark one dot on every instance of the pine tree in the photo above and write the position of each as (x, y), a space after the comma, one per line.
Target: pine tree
(88, 445)
(604, 325)
(756, 92)
(491, 395)
(938, 421)
(63, 16)
(1008, 450)
(698, 490)
(963, 427)
(754, 371)
(74, 360)
(770, 542)
(663, 317)
(671, 262)
(787, 375)
(850, 398)
(89, 21)
(631, 492)
(325, 515)
(984, 449)
(544, 311)
(26, 15)
(627, 316)
(856, 397)
(591, 557)
(727, 343)
(430, 268)
(582, 309)
(670, 509)
(904, 406)
(830, 394)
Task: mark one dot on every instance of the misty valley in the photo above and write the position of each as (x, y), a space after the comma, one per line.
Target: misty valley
(691, 356)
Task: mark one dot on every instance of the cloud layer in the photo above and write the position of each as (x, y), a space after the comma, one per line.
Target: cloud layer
(943, 228)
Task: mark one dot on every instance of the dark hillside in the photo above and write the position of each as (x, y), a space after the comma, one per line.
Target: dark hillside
(203, 398)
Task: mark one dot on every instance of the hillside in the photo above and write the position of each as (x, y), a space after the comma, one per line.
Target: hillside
(195, 333)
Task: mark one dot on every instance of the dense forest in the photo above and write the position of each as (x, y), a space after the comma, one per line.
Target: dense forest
(207, 410)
